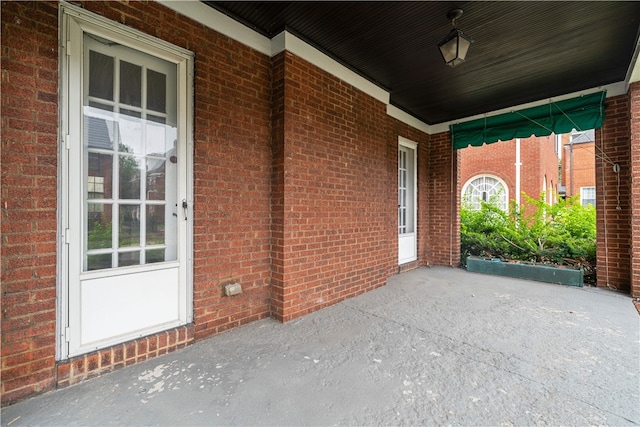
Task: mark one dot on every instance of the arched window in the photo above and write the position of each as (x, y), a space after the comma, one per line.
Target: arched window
(485, 188)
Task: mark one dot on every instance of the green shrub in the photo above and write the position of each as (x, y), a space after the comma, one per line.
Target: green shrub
(562, 233)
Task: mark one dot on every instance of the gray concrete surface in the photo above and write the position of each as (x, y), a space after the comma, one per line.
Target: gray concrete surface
(436, 346)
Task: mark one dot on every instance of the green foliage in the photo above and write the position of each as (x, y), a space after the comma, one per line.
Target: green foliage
(562, 233)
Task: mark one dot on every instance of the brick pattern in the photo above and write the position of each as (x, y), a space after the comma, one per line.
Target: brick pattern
(91, 365)
(337, 238)
(539, 164)
(29, 196)
(634, 98)
(584, 167)
(277, 188)
(443, 189)
(475, 161)
(613, 214)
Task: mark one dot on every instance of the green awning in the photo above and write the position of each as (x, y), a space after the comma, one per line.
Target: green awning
(581, 113)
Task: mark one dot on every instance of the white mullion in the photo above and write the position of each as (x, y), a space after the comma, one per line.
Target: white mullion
(115, 212)
(143, 169)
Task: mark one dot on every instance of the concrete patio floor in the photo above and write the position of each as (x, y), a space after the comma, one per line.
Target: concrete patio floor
(435, 346)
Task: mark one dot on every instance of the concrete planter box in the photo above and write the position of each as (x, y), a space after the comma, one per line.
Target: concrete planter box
(542, 273)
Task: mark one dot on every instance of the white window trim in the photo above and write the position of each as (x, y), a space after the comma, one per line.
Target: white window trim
(72, 16)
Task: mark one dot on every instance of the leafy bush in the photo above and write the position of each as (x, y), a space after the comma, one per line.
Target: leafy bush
(562, 233)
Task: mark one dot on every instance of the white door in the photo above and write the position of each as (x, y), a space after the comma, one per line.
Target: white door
(127, 200)
(407, 194)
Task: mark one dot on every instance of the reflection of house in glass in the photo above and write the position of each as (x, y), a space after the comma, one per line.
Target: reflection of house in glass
(100, 165)
(141, 196)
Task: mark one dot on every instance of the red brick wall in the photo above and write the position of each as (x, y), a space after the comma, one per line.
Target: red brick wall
(443, 198)
(29, 196)
(548, 166)
(538, 159)
(613, 224)
(584, 167)
(634, 98)
(496, 159)
(531, 173)
(339, 205)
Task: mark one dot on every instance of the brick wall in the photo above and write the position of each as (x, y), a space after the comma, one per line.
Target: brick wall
(539, 163)
(613, 213)
(548, 166)
(29, 196)
(583, 174)
(338, 237)
(496, 159)
(443, 196)
(634, 98)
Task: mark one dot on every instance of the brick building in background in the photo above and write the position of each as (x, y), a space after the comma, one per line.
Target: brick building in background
(579, 166)
(560, 165)
(507, 169)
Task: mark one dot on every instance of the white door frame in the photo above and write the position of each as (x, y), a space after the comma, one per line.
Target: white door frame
(408, 240)
(75, 22)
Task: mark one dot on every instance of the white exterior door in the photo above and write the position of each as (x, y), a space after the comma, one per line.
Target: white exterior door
(126, 172)
(407, 195)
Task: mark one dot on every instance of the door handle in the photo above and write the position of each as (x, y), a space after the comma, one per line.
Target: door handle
(185, 207)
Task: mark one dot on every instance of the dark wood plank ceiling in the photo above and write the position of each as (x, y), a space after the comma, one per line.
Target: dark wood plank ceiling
(523, 51)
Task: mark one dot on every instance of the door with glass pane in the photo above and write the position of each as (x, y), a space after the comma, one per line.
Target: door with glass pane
(407, 236)
(127, 271)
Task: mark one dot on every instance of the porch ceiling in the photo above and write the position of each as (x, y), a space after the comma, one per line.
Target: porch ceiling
(523, 51)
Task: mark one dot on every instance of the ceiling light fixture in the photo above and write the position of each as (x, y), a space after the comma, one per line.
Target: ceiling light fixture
(455, 46)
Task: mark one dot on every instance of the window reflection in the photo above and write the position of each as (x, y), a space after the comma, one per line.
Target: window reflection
(130, 84)
(146, 169)
(129, 177)
(129, 232)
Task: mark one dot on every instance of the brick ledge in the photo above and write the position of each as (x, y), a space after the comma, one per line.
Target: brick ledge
(79, 368)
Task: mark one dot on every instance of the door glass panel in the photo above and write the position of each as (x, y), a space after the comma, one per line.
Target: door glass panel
(155, 255)
(155, 179)
(155, 224)
(129, 177)
(157, 138)
(98, 262)
(156, 90)
(99, 226)
(130, 125)
(402, 191)
(99, 177)
(128, 258)
(130, 173)
(101, 75)
(130, 84)
(405, 190)
(129, 233)
(99, 128)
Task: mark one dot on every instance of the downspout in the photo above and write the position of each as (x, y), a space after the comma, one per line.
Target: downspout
(518, 165)
(571, 167)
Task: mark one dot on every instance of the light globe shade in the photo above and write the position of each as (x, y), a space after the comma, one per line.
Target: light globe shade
(454, 47)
